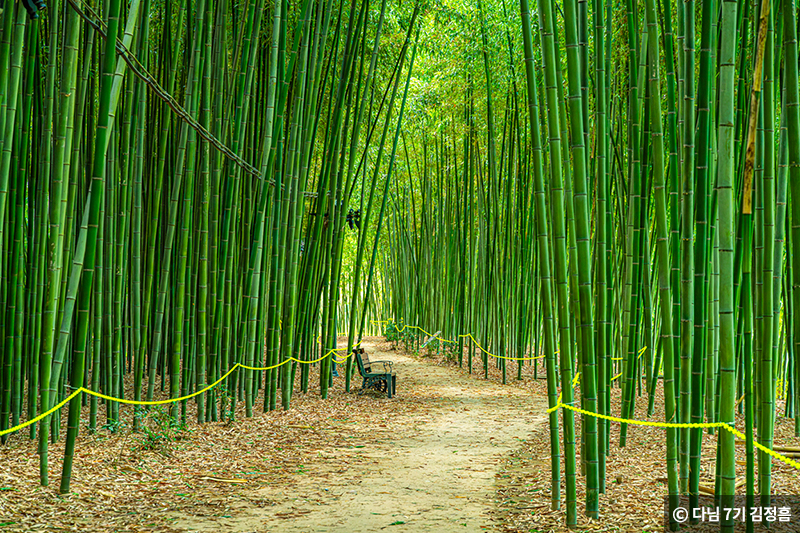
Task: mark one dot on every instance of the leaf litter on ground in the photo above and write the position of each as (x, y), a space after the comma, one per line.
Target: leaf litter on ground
(119, 485)
(635, 475)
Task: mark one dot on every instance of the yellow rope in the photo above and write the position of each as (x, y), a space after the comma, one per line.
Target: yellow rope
(55, 408)
(575, 380)
(467, 335)
(649, 423)
(332, 353)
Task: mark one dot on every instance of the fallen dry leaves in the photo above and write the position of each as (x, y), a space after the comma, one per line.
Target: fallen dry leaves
(635, 475)
(214, 468)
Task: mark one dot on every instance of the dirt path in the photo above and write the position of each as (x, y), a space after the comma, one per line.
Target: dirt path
(433, 471)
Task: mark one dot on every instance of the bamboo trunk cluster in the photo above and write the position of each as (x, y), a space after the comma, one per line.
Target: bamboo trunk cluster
(176, 184)
(628, 231)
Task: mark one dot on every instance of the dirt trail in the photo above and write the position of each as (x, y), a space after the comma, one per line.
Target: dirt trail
(435, 472)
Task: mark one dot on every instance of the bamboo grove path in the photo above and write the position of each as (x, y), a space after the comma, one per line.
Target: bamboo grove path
(436, 474)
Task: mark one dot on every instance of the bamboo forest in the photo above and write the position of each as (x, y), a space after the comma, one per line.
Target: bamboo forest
(424, 265)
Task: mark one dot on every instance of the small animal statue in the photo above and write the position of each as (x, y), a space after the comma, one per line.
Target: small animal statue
(33, 6)
(354, 218)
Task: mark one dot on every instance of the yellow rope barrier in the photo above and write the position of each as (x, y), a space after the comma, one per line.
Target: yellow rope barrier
(575, 380)
(467, 335)
(649, 423)
(332, 353)
(76, 392)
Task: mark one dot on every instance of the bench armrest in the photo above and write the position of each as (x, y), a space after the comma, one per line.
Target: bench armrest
(387, 367)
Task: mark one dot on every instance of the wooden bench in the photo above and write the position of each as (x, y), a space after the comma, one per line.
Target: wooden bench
(378, 375)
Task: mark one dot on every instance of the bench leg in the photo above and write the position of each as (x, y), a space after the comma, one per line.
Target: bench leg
(389, 390)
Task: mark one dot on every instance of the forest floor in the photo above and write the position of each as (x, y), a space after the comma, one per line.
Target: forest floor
(426, 460)
(452, 451)
(636, 483)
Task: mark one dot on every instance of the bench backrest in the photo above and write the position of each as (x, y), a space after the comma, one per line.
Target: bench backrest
(362, 359)
(365, 359)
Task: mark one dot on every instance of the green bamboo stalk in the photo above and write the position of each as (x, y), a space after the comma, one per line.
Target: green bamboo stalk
(559, 231)
(725, 182)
